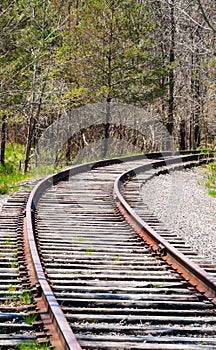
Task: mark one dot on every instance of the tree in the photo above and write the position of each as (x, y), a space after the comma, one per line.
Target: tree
(9, 19)
(41, 36)
(171, 72)
(193, 54)
(112, 57)
(183, 28)
(156, 54)
(3, 140)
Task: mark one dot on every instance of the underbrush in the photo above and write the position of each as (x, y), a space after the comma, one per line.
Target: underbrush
(12, 176)
(33, 345)
(211, 179)
(11, 173)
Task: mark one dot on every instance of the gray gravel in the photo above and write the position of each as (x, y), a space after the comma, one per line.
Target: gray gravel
(3, 200)
(181, 201)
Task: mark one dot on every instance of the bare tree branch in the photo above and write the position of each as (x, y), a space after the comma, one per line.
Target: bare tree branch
(205, 16)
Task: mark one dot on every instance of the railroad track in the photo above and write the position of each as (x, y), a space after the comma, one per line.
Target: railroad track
(19, 320)
(99, 284)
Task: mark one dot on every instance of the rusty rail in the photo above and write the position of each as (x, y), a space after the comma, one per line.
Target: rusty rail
(195, 275)
(61, 334)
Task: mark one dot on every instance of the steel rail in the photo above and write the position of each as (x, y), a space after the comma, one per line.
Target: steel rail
(196, 276)
(61, 334)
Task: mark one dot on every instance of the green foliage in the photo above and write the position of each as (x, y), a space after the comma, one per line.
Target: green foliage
(10, 298)
(26, 297)
(88, 252)
(7, 241)
(211, 179)
(212, 192)
(42, 171)
(33, 345)
(111, 57)
(13, 263)
(116, 258)
(30, 318)
(11, 288)
(11, 173)
(79, 239)
(60, 55)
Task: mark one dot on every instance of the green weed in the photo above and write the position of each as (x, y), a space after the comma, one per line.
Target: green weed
(211, 179)
(11, 173)
(7, 241)
(10, 297)
(13, 263)
(116, 258)
(88, 252)
(11, 288)
(12, 176)
(79, 239)
(212, 192)
(26, 297)
(33, 345)
(156, 285)
(30, 318)
(88, 273)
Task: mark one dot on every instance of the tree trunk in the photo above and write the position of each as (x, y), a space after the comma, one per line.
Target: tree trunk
(182, 143)
(195, 91)
(3, 140)
(30, 137)
(107, 128)
(171, 76)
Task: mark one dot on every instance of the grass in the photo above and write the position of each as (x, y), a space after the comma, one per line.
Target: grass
(26, 297)
(156, 285)
(11, 297)
(13, 263)
(116, 258)
(11, 288)
(7, 241)
(88, 252)
(33, 345)
(11, 174)
(30, 318)
(79, 239)
(211, 179)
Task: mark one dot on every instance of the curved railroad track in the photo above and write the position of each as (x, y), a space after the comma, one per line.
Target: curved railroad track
(104, 272)
(19, 320)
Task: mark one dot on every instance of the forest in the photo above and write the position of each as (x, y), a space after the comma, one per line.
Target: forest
(64, 62)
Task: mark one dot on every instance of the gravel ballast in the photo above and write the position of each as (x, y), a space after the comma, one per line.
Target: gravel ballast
(3, 200)
(181, 201)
